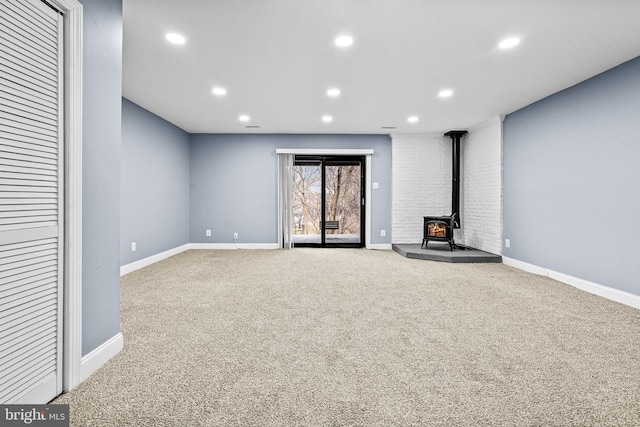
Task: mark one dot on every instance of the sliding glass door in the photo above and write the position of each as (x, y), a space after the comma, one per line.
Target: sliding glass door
(328, 201)
(307, 202)
(343, 202)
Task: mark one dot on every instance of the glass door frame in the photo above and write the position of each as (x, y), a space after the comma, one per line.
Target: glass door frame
(324, 161)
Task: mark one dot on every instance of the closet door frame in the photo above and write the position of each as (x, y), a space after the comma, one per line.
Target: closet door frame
(72, 124)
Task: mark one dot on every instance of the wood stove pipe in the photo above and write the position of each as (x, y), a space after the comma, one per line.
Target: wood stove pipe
(455, 136)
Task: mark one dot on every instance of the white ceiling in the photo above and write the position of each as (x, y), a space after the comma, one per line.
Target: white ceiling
(277, 58)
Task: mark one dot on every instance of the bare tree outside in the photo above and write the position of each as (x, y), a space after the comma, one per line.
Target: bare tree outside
(342, 199)
(306, 199)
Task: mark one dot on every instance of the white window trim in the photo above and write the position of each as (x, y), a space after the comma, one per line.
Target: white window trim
(72, 317)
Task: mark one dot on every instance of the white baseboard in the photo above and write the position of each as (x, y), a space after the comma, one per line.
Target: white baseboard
(101, 355)
(136, 265)
(380, 246)
(233, 246)
(607, 292)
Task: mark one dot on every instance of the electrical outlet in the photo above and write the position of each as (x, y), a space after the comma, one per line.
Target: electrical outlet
(208, 233)
(383, 233)
(133, 246)
(507, 243)
(235, 236)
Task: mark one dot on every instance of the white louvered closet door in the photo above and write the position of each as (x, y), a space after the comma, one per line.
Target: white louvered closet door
(31, 201)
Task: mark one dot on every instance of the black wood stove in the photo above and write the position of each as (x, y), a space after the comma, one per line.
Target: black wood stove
(439, 229)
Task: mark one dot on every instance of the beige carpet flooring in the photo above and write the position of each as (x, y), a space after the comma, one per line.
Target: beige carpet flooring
(342, 337)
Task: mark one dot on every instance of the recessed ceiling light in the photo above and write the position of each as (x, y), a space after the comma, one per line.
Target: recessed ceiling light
(175, 38)
(413, 119)
(445, 93)
(509, 43)
(344, 41)
(219, 91)
(244, 118)
(327, 119)
(333, 92)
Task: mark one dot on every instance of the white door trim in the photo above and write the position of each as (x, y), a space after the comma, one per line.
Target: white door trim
(72, 317)
(367, 201)
(327, 152)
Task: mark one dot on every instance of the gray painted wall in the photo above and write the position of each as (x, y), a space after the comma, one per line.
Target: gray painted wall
(572, 180)
(234, 183)
(102, 93)
(155, 184)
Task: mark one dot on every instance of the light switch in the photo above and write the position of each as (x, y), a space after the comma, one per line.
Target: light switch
(375, 185)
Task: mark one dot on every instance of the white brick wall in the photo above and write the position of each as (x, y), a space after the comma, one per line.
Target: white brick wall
(421, 174)
(481, 187)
